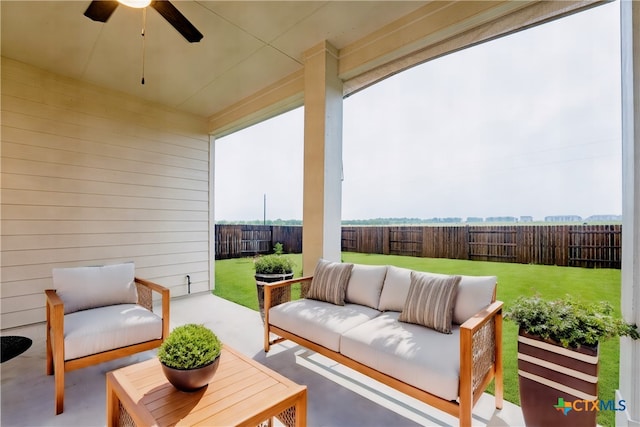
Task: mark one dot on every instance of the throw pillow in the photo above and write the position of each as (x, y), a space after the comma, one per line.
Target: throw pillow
(329, 281)
(430, 301)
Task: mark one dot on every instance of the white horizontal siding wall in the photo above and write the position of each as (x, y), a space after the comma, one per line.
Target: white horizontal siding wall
(91, 176)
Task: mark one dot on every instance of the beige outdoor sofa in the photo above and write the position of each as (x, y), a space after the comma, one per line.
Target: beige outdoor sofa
(100, 313)
(373, 332)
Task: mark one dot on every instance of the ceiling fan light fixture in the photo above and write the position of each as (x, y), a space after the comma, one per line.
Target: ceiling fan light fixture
(138, 4)
(101, 10)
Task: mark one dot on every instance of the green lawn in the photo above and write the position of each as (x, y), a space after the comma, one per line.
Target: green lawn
(234, 281)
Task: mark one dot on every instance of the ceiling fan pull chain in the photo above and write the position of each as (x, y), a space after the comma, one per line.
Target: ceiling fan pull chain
(144, 24)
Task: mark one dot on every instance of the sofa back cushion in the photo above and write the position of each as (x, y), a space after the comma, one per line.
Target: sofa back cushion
(82, 288)
(474, 293)
(395, 289)
(430, 301)
(365, 284)
(329, 281)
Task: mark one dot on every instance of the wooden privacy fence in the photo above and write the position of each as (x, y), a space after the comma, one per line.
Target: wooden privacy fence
(234, 241)
(563, 245)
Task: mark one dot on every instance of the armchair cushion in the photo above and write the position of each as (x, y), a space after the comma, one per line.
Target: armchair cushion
(82, 288)
(106, 328)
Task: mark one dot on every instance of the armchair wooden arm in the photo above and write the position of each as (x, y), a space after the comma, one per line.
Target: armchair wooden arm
(165, 294)
(480, 358)
(55, 323)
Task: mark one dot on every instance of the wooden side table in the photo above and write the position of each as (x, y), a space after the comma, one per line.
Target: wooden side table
(241, 393)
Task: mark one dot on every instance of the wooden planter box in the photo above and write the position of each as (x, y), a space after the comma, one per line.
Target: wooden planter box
(557, 384)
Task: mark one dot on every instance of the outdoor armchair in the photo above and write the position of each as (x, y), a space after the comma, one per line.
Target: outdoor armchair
(97, 314)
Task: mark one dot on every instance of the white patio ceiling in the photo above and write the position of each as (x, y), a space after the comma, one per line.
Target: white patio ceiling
(247, 45)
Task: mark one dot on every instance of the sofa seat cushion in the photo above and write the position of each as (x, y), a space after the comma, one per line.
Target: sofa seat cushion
(100, 329)
(414, 354)
(320, 322)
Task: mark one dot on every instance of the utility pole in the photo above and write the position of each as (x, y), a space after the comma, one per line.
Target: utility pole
(264, 210)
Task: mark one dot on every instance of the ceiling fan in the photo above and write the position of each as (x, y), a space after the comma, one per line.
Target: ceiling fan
(101, 10)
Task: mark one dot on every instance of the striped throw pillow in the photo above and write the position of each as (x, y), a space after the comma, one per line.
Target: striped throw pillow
(430, 301)
(329, 281)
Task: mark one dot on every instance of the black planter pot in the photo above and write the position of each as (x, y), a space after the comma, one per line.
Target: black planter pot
(191, 379)
(557, 384)
(281, 296)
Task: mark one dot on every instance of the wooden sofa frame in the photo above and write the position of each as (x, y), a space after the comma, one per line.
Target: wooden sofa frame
(55, 337)
(480, 354)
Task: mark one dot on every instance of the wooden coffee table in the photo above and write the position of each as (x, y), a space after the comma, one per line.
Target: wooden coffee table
(241, 393)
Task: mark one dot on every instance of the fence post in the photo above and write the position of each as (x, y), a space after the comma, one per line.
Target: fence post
(385, 240)
(467, 243)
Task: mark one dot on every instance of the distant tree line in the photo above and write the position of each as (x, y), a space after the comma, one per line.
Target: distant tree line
(401, 221)
(435, 220)
(371, 221)
(261, 222)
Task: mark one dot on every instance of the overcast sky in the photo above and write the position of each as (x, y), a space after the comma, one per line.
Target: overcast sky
(525, 125)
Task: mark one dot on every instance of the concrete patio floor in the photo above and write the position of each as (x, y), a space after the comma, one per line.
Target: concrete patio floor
(337, 396)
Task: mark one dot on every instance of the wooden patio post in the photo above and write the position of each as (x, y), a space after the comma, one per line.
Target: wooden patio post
(322, 198)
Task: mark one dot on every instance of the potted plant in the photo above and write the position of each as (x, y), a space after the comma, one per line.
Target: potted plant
(558, 357)
(272, 268)
(190, 356)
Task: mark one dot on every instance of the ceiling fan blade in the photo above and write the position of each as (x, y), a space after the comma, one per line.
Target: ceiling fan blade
(177, 20)
(101, 10)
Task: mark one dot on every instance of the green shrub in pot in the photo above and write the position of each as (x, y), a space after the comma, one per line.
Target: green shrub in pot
(569, 322)
(274, 264)
(189, 346)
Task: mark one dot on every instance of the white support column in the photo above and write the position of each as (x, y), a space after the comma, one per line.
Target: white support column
(212, 211)
(629, 390)
(322, 203)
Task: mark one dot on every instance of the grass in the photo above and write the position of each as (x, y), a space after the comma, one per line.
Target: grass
(235, 282)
